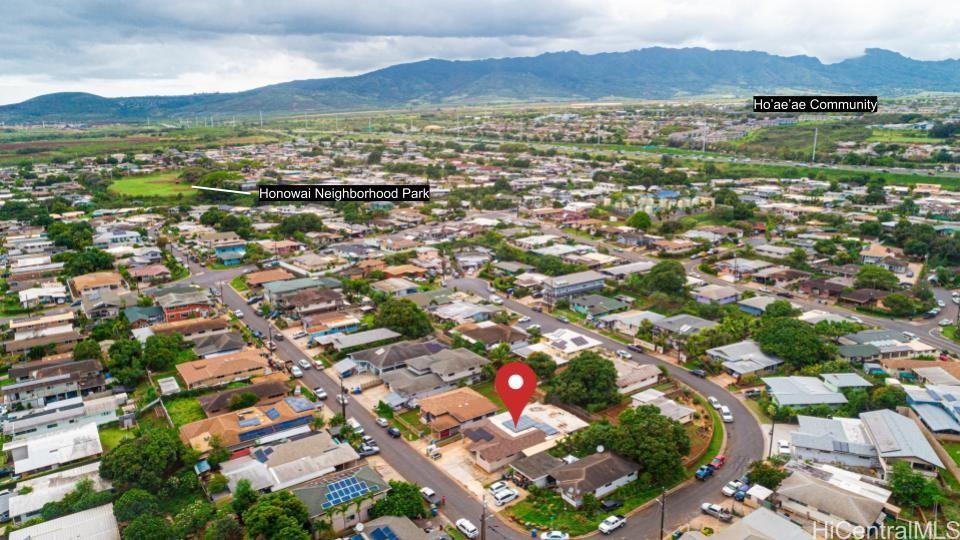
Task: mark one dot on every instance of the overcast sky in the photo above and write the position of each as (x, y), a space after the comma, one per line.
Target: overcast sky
(143, 47)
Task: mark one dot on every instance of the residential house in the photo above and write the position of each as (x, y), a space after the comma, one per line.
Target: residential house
(679, 327)
(668, 407)
(242, 428)
(187, 304)
(46, 294)
(629, 322)
(256, 280)
(150, 273)
(599, 474)
(379, 360)
(279, 466)
(830, 498)
(98, 522)
(594, 305)
(106, 303)
(492, 334)
(395, 287)
(570, 285)
(54, 449)
(33, 494)
(448, 413)
(224, 369)
(760, 524)
(344, 498)
(797, 391)
(96, 281)
(744, 358)
(716, 294)
(216, 345)
(266, 392)
(432, 374)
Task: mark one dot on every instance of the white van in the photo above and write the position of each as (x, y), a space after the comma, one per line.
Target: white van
(355, 426)
(504, 496)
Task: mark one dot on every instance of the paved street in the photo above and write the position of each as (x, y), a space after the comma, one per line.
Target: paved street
(745, 440)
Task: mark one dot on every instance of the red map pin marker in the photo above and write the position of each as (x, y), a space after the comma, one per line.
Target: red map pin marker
(515, 384)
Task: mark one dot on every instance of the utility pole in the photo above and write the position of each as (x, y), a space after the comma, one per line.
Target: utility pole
(343, 402)
(773, 424)
(663, 508)
(483, 517)
(814, 156)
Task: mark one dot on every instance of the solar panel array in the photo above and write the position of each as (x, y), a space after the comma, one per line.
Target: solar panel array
(345, 490)
(273, 414)
(383, 533)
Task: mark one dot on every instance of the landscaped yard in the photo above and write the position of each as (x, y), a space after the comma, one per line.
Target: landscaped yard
(184, 410)
(549, 512)
(487, 389)
(163, 184)
(239, 283)
(756, 409)
(412, 418)
(110, 437)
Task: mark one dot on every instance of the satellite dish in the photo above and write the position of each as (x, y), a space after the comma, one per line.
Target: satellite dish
(599, 448)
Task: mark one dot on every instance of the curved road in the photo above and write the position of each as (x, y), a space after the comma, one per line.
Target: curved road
(745, 440)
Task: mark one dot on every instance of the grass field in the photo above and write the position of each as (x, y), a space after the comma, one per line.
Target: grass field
(111, 437)
(152, 185)
(185, 410)
(486, 388)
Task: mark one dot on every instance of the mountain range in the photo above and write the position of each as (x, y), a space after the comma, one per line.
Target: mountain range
(652, 73)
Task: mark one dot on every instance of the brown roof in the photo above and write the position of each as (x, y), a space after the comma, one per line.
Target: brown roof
(489, 334)
(199, 434)
(593, 471)
(27, 344)
(461, 403)
(96, 279)
(255, 279)
(149, 270)
(216, 402)
(493, 444)
(190, 326)
(863, 296)
(199, 371)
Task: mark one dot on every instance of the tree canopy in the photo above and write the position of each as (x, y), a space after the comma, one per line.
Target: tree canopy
(405, 317)
(795, 342)
(589, 380)
(276, 515)
(403, 499)
(145, 461)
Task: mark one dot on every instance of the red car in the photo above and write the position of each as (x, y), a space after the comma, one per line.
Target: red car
(718, 462)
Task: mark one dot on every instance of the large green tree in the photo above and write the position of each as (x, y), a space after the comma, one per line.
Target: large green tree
(273, 513)
(794, 341)
(640, 220)
(133, 503)
(913, 488)
(542, 365)
(404, 499)
(405, 317)
(666, 277)
(589, 381)
(145, 461)
(876, 277)
(766, 474)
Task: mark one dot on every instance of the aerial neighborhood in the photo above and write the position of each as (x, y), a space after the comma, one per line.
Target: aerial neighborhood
(773, 348)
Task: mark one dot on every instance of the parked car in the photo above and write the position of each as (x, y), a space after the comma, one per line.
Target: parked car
(783, 448)
(611, 523)
(271, 346)
(382, 422)
(467, 528)
(238, 314)
(563, 319)
(945, 322)
(504, 496)
(296, 372)
(523, 320)
(623, 353)
(299, 335)
(279, 337)
(394, 432)
(716, 511)
(367, 450)
(254, 299)
(429, 495)
(725, 414)
(699, 373)
(611, 504)
(714, 402)
(718, 462)
(704, 472)
(752, 393)
(555, 535)
(497, 486)
(304, 364)
(533, 327)
(318, 364)
(320, 392)
(732, 487)
(342, 399)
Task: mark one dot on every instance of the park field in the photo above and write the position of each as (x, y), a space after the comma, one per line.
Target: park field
(164, 184)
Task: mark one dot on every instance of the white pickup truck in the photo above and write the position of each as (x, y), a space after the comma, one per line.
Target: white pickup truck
(611, 524)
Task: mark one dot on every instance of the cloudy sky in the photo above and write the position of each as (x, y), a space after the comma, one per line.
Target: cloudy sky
(144, 47)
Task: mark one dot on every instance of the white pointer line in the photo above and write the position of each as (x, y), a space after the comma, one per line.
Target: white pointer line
(221, 189)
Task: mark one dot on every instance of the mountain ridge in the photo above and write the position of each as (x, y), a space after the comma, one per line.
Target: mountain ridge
(650, 73)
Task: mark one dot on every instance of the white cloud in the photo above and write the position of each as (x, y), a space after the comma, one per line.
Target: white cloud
(141, 47)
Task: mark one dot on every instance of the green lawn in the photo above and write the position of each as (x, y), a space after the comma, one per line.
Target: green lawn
(184, 410)
(716, 442)
(239, 283)
(756, 409)
(111, 437)
(412, 418)
(487, 389)
(162, 184)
